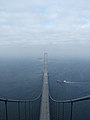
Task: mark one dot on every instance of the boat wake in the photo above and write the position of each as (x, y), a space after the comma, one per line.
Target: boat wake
(70, 82)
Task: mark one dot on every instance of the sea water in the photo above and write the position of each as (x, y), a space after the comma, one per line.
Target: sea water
(22, 79)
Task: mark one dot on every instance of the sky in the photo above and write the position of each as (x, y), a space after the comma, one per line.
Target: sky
(59, 27)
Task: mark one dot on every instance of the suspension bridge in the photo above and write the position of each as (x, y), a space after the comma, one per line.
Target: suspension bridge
(44, 107)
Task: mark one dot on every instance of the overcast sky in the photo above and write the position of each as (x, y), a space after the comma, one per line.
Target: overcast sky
(50, 24)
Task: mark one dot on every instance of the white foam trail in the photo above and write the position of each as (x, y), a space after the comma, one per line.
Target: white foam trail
(76, 82)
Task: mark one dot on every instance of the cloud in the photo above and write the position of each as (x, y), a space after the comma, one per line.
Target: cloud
(27, 22)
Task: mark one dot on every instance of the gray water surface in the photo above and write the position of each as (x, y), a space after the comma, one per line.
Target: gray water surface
(22, 79)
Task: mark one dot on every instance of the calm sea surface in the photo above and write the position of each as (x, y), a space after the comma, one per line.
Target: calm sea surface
(22, 79)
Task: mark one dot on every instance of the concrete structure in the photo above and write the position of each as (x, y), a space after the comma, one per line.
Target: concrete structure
(44, 113)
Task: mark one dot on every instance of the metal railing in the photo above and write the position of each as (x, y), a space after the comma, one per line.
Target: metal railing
(30, 111)
(57, 113)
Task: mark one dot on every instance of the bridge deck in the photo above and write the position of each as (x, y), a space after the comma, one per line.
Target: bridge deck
(44, 113)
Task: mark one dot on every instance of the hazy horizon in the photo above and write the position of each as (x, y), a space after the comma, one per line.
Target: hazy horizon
(32, 27)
